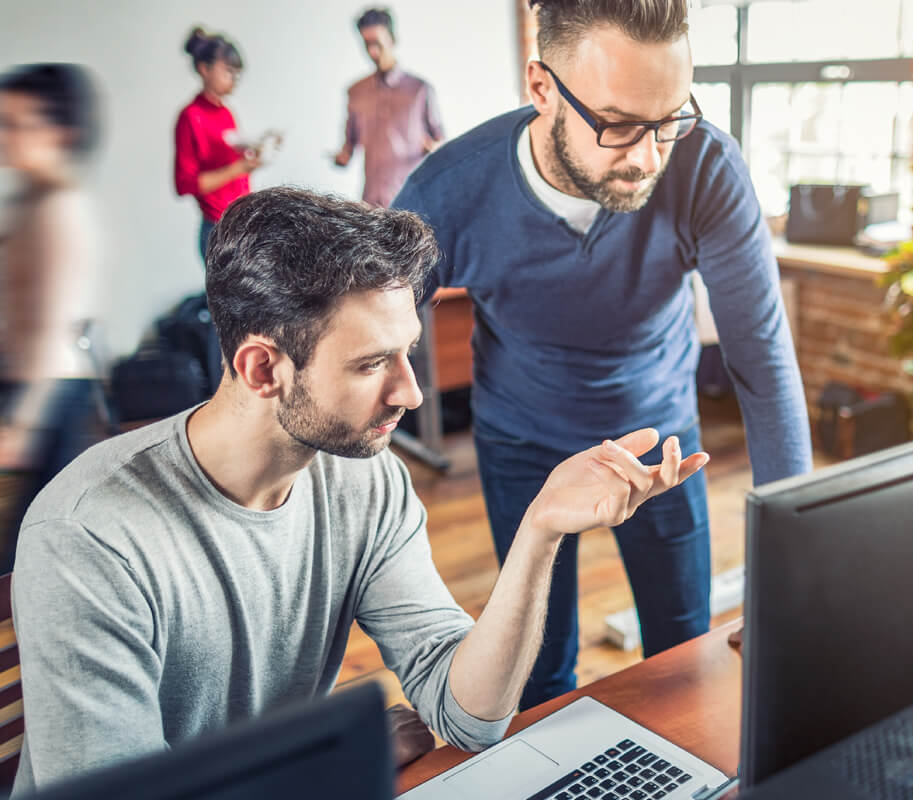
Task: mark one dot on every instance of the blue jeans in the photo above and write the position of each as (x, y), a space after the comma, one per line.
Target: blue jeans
(206, 227)
(665, 548)
(68, 428)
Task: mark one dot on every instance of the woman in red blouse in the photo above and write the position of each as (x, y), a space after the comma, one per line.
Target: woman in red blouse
(211, 163)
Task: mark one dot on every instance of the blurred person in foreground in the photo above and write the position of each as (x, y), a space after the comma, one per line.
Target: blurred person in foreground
(393, 116)
(208, 567)
(48, 264)
(212, 161)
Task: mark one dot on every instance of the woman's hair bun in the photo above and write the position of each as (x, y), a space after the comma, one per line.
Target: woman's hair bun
(206, 48)
(196, 41)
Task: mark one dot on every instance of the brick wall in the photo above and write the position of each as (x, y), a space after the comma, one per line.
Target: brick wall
(841, 334)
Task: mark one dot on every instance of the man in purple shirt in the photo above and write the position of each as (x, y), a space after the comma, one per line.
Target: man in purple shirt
(392, 115)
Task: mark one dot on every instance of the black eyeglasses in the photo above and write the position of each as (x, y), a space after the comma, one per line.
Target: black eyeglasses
(625, 134)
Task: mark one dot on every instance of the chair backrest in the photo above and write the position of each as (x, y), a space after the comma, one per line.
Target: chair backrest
(12, 724)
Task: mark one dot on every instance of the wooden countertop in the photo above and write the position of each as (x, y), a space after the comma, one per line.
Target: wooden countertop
(846, 261)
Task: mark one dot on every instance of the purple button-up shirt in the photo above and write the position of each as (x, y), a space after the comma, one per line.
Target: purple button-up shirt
(392, 116)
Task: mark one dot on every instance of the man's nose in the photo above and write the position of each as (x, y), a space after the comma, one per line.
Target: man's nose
(645, 154)
(404, 391)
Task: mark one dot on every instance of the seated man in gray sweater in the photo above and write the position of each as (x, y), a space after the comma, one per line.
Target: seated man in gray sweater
(207, 567)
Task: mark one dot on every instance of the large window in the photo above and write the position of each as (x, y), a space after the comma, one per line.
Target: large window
(814, 90)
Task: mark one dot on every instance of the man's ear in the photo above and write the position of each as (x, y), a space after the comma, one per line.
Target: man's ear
(256, 362)
(541, 88)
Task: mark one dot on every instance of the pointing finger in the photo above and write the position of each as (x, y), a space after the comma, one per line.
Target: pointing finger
(691, 465)
(672, 459)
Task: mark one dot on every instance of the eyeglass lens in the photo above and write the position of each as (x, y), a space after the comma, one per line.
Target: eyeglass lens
(618, 136)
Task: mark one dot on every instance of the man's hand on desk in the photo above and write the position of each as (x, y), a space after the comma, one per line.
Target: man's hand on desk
(411, 737)
(604, 486)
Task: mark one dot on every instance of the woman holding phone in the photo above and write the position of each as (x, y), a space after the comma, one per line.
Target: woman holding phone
(211, 162)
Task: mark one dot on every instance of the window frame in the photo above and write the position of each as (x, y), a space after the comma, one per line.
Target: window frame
(743, 75)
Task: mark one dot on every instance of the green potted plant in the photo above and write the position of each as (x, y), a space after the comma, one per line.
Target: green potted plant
(898, 302)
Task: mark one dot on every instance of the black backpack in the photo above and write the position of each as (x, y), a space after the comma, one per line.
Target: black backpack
(189, 329)
(156, 382)
(178, 368)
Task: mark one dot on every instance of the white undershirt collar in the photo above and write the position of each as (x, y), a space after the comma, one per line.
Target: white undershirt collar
(578, 212)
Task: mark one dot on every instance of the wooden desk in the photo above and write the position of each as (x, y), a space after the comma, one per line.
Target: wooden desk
(690, 694)
(452, 311)
(442, 361)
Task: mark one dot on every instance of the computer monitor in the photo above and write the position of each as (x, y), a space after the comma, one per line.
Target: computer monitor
(874, 764)
(335, 747)
(827, 647)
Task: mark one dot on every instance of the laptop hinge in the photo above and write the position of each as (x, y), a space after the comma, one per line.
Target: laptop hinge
(714, 793)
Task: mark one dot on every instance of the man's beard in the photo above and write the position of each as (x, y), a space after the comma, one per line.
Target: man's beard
(315, 429)
(600, 189)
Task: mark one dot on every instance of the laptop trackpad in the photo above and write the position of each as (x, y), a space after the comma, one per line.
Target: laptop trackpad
(503, 773)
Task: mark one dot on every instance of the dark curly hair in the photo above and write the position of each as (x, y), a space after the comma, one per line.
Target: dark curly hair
(562, 23)
(376, 16)
(280, 260)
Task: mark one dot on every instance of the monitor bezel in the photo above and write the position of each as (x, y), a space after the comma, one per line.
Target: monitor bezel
(770, 510)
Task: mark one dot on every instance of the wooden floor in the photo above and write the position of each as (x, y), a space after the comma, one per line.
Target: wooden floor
(464, 554)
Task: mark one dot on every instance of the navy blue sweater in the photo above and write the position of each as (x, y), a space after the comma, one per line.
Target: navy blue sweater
(581, 337)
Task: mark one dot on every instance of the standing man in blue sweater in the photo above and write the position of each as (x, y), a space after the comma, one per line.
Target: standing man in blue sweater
(574, 225)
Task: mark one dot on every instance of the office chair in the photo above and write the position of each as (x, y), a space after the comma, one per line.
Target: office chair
(12, 722)
(90, 339)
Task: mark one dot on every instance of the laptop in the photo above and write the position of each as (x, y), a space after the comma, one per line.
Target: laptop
(582, 751)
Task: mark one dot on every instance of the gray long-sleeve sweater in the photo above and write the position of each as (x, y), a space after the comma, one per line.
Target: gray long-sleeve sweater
(149, 608)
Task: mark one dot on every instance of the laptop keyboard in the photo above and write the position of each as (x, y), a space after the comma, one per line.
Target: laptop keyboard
(626, 771)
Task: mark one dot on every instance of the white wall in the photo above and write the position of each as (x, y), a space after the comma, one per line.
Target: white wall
(299, 57)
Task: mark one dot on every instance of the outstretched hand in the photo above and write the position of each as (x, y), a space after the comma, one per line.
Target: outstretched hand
(604, 485)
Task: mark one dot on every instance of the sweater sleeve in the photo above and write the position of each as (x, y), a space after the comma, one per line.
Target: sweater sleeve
(736, 261)
(406, 608)
(433, 124)
(186, 160)
(90, 673)
(352, 133)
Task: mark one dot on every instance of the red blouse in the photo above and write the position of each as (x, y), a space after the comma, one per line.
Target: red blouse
(201, 146)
